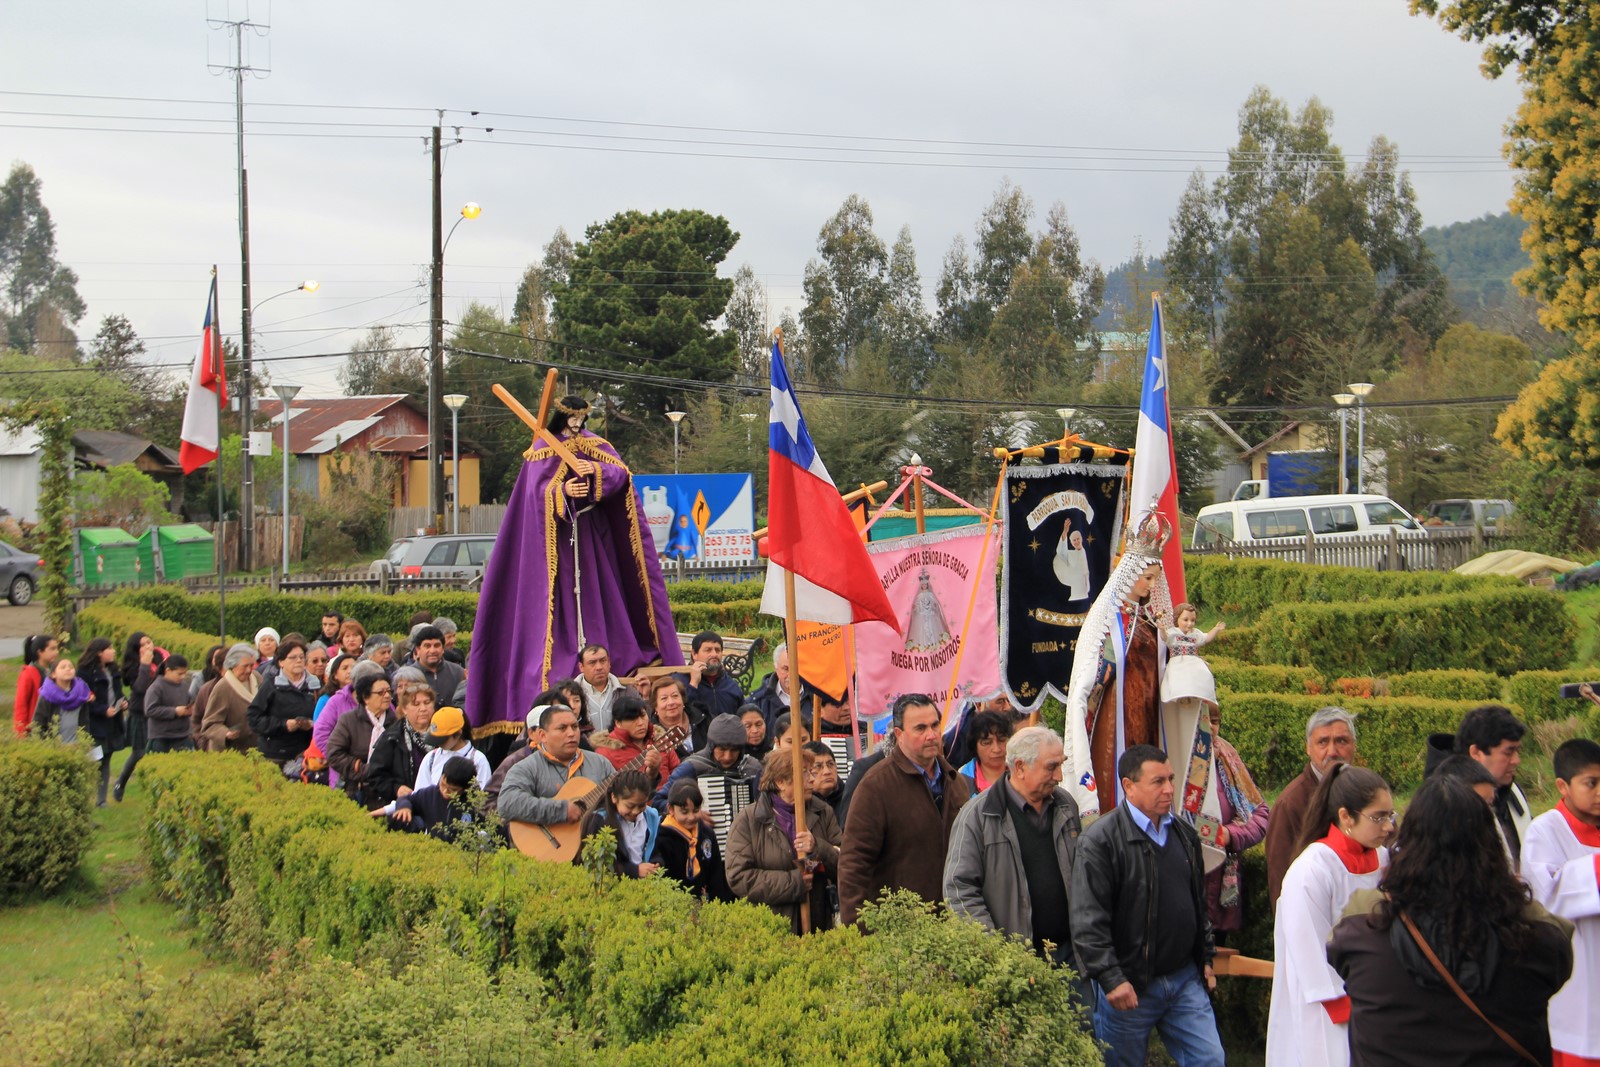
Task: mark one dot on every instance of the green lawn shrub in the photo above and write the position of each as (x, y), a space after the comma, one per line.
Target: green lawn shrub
(261, 864)
(250, 610)
(1269, 730)
(1247, 588)
(47, 795)
(1536, 695)
(114, 618)
(1482, 686)
(1502, 630)
(706, 591)
(1264, 678)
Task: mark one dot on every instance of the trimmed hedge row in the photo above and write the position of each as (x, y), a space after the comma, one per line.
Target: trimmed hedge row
(1250, 587)
(705, 591)
(1481, 686)
(261, 863)
(1502, 630)
(112, 617)
(252, 609)
(1269, 730)
(1264, 678)
(47, 795)
(1536, 695)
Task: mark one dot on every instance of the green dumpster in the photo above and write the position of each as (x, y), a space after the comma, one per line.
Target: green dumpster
(107, 556)
(186, 550)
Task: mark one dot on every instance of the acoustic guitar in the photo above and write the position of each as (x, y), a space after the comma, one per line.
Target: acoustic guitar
(558, 842)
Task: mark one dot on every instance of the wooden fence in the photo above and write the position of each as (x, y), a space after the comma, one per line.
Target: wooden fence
(482, 519)
(1432, 549)
(268, 539)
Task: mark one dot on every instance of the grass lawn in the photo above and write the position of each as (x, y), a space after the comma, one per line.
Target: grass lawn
(82, 935)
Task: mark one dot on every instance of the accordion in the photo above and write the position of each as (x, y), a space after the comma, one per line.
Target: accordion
(724, 798)
(842, 759)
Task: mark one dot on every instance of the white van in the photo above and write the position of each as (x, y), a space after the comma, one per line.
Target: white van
(1336, 515)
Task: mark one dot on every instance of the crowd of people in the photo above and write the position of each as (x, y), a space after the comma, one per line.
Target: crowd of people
(1467, 931)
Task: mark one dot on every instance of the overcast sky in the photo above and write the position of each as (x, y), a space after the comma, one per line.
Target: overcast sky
(603, 107)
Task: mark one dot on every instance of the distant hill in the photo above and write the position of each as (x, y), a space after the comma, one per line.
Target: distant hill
(1479, 257)
(1120, 289)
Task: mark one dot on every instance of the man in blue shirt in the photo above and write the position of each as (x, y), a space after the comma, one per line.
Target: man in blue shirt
(1139, 922)
(711, 687)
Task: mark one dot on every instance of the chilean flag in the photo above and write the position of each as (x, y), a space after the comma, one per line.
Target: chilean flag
(208, 392)
(811, 532)
(1155, 465)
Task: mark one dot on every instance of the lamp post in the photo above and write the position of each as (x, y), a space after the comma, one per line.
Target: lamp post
(676, 417)
(454, 401)
(1066, 420)
(749, 418)
(1361, 389)
(286, 393)
(1344, 400)
(469, 210)
(247, 501)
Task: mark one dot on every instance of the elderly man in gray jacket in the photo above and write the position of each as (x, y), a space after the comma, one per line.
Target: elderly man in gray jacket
(1010, 860)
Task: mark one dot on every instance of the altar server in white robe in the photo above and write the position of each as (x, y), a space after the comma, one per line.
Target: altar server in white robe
(1561, 864)
(1350, 819)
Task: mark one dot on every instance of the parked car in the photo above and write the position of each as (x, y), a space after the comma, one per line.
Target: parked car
(448, 556)
(1331, 516)
(19, 573)
(1465, 512)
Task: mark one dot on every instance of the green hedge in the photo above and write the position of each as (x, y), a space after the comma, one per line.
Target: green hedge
(47, 795)
(1482, 686)
(1536, 697)
(261, 864)
(705, 591)
(252, 609)
(1249, 587)
(113, 618)
(1269, 730)
(1502, 630)
(1264, 678)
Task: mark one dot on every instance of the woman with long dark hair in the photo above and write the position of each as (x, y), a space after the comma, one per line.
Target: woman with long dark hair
(1506, 954)
(39, 654)
(1350, 819)
(141, 666)
(105, 714)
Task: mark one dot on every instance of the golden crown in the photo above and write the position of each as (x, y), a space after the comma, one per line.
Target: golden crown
(1151, 535)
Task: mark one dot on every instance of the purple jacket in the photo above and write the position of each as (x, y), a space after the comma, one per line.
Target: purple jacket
(342, 701)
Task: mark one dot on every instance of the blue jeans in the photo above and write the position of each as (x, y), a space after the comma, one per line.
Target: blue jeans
(1175, 1004)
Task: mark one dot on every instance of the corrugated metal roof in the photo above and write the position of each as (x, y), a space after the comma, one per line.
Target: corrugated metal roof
(24, 442)
(318, 426)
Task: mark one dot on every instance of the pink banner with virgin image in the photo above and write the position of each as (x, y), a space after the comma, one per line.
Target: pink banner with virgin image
(930, 579)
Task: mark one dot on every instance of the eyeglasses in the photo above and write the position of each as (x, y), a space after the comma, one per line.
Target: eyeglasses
(1382, 817)
(381, 692)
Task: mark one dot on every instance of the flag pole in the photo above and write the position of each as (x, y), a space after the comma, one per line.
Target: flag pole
(796, 711)
(222, 552)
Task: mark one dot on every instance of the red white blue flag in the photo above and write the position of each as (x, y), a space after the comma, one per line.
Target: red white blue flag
(810, 531)
(208, 392)
(1155, 464)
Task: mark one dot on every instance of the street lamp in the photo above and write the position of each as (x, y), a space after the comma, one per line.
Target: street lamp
(286, 393)
(247, 502)
(1344, 400)
(1066, 418)
(454, 402)
(1361, 389)
(676, 417)
(749, 418)
(469, 210)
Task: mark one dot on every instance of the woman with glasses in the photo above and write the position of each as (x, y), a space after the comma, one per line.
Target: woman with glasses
(398, 754)
(357, 732)
(225, 715)
(1341, 851)
(283, 710)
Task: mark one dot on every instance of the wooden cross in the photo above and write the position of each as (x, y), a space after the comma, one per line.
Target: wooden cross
(580, 467)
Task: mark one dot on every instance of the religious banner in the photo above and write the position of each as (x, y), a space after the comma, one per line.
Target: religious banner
(1063, 523)
(930, 580)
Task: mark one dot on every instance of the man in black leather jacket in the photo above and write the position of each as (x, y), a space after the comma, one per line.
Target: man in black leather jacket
(1139, 923)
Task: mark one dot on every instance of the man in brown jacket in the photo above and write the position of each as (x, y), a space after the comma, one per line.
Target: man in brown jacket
(1330, 739)
(898, 827)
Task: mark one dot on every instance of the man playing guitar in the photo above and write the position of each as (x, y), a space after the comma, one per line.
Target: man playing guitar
(530, 788)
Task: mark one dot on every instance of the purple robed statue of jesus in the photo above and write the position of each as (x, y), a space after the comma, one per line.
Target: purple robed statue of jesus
(573, 564)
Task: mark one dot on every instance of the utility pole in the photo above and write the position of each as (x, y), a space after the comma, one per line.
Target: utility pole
(436, 348)
(238, 68)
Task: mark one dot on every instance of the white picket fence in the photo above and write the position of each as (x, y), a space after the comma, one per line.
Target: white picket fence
(1439, 548)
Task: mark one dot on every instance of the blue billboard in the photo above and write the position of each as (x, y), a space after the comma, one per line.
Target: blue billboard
(699, 516)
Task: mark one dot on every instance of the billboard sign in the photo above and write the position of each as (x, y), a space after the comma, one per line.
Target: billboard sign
(699, 516)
